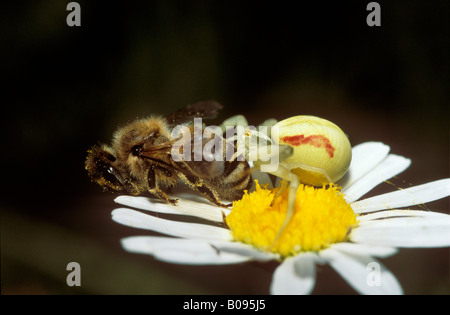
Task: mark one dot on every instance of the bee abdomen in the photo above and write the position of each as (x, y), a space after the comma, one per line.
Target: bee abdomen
(235, 179)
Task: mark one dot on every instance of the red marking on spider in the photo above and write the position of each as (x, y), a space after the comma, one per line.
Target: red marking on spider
(318, 141)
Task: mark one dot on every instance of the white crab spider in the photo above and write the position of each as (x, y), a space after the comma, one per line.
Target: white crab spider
(309, 150)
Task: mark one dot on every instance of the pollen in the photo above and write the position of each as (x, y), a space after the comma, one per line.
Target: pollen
(321, 217)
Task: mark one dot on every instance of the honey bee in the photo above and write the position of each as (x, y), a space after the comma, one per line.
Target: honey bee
(139, 160)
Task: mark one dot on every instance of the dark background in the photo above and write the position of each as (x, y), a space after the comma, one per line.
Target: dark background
(66, 88)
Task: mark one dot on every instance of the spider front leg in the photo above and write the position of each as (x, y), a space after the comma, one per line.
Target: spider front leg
(234, 121)
(245, 137)
(266, 157)
(293, 182)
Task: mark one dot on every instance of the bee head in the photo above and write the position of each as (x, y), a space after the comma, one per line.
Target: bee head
(100, 165)
(132, 139)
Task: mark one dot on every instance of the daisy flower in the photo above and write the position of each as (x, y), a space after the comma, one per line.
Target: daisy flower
(331, 225)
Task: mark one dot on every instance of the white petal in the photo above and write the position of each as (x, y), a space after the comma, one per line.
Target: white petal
(365, 250)
(141, 220)
(187, 205)
(389, 167)
(244, 250)
(180, 251)
(428, 231)
(364, 274)
(296, 275)
(365, 157)
(405, 197)
(400, 213)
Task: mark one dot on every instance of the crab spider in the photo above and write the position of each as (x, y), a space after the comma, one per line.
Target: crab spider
(308, 149)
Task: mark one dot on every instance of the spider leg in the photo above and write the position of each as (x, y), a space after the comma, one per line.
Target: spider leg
(286, 174)
(284, 184)
(233, 121)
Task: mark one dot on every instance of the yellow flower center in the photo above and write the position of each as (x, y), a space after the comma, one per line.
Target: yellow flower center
(321, 217)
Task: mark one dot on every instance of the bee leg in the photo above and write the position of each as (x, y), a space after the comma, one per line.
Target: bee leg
(153, 186)
(212, 196)
(197, 184)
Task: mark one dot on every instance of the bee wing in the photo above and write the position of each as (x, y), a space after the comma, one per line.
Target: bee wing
(203, 157)
(205, 109)
(203, 169)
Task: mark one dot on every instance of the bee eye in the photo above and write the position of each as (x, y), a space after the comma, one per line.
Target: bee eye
(136, 150)
(110, 157)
